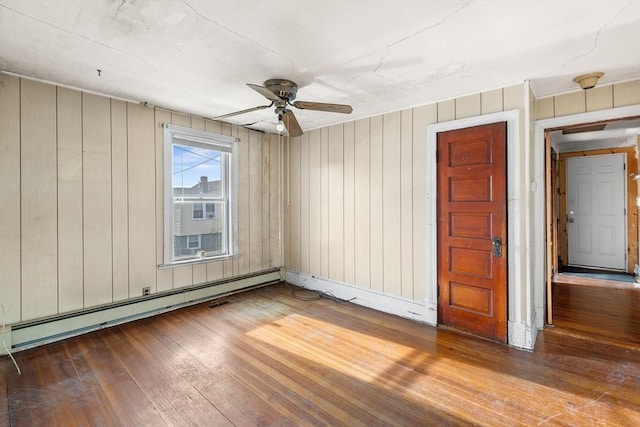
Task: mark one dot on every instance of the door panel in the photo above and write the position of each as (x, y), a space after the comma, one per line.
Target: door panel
(596, 201)
(472, 211)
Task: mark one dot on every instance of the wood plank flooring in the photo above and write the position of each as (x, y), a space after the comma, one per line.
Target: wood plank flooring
(268, 359)
(606, 310)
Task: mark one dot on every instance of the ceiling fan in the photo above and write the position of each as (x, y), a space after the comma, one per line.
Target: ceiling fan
(282, 93)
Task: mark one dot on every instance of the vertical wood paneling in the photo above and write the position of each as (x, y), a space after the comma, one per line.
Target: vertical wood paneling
(513, 97)
(266, 196)
(391, 204)
(627, 93)
(243, 201)
(324, 202)
(180, 119)
(335, 168)
(314, 203)
(362, 228)
(570, 103)
(275, 227)
(304, 203)
(83, 179)
(349, 202)
(491, 101)
(182, 276)
(286, 232)
(446, 110)
(406, 203)
(199, 273)
(468, 106)
(70, 206)
(96, 173)
(600, 98)
(142, 177)
(376, 173)
(197, 123)
(422, 118)
(215, 271)
(294, 204)
(164, 277)
(120, 200)
(255, 201)
(39, 210)
(10, 253)
(544, 108)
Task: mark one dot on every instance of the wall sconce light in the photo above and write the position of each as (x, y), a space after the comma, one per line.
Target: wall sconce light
(588, 81)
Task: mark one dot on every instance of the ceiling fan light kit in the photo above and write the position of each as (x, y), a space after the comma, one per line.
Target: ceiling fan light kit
(588, 81)
(281, 93)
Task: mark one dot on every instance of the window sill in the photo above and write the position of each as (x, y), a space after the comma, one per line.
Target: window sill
(198, 261)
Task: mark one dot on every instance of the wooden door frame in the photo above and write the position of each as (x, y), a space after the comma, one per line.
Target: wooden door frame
(517, 333)
(537, 154)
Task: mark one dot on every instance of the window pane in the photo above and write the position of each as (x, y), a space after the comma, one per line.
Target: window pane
(211, 211)
(197, 172)
(197, 211)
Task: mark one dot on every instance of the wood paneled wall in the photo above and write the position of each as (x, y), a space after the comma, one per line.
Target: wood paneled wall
(357, 195)
(585, 101)
(81, 184)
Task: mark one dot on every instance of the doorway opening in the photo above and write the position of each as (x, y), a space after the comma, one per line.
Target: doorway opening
(592, 197)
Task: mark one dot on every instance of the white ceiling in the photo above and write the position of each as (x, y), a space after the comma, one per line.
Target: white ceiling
(377, 55)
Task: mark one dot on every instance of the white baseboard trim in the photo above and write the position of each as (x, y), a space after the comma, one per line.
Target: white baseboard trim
(520, 335)
(43, 331)
(402, 307)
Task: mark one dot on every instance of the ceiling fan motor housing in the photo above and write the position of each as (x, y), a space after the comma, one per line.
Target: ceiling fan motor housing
(285, 89)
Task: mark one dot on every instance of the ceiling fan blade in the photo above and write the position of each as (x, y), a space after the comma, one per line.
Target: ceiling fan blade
(265, 92)
(248, 110)
(321, 106)
(291, 123)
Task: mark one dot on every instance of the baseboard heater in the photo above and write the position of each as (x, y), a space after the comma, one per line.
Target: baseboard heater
(43, 331)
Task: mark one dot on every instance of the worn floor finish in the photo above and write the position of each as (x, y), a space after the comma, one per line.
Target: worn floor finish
(269, 359)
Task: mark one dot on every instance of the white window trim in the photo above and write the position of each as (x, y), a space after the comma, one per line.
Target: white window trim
(207, 140)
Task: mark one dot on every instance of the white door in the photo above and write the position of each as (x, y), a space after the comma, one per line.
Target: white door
(596, 205)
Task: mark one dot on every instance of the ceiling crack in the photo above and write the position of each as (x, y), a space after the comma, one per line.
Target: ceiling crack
(239, 35)
(595, 41)
(443, 20)
(94, 41)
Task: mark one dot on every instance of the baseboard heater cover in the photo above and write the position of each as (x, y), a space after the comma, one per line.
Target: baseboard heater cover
(55, 328)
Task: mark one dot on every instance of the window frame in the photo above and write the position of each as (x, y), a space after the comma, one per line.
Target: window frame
(229, 177)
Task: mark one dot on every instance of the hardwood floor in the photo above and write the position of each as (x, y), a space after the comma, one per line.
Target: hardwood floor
(607, 310)
(266, 358)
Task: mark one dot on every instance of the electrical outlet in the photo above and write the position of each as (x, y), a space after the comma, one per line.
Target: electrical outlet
(146, 291)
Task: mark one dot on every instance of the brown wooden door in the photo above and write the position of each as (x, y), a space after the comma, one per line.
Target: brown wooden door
(472, 213)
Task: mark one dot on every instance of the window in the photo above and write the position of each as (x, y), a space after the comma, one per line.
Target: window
(193, 242)
(204, 211)
(200, 195)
